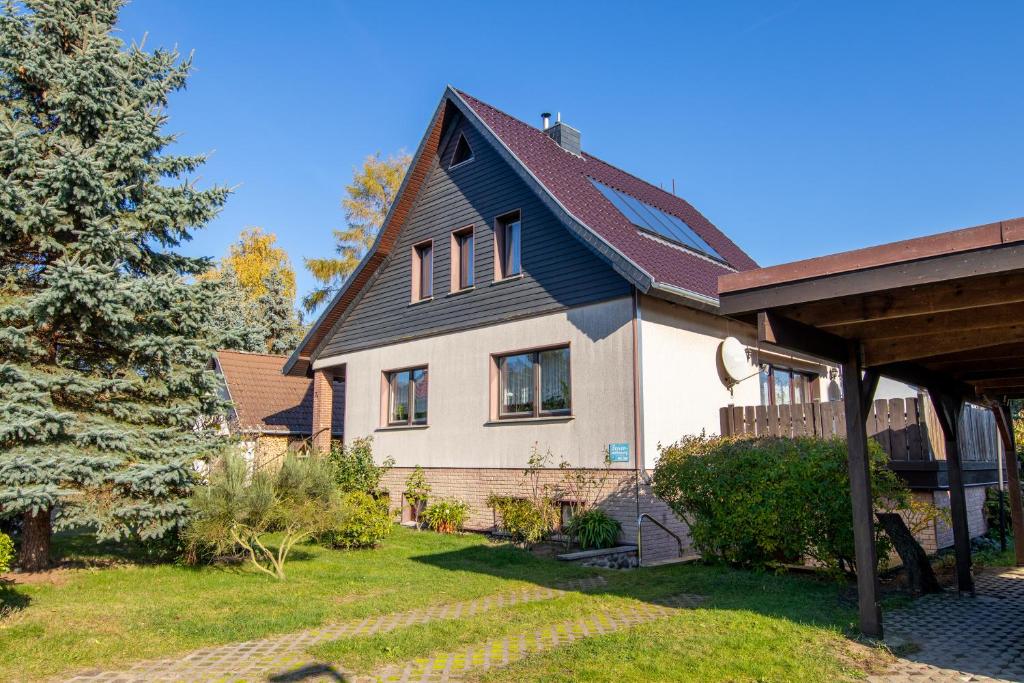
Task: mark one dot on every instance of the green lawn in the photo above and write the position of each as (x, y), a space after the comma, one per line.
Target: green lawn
(753, 626)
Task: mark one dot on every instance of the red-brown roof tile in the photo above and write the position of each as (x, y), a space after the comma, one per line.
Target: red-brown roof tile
(566, 176)
(267, 401)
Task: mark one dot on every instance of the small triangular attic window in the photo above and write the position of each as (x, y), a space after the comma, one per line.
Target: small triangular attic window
(463, 152)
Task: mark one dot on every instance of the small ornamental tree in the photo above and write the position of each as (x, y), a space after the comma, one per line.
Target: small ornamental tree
(416, 492)
(238, 507)
(105, 392)
(355, 469)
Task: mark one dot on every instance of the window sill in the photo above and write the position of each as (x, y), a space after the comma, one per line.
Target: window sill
(400, 428)
(464, 290)
(510, 278)
(530, 420)
(421, 301)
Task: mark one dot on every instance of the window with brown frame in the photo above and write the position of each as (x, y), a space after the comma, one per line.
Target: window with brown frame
(533, 384)
(508, 233)
(407, 396)
(423, 271)
(785, 386)
(463, 259)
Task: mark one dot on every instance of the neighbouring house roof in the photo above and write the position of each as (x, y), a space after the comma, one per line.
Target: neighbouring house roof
(268, 402)
(563, 181)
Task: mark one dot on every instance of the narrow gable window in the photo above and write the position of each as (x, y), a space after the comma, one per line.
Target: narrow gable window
(422, 271)
(533, 384)
(463, 152)
(407, 396)
(508, 246)
(463, 259)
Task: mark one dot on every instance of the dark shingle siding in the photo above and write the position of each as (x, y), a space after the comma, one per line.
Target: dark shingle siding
(559, 271)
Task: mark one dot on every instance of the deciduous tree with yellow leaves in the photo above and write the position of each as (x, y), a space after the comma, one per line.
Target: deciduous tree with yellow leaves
(253, 258)
(366, 204)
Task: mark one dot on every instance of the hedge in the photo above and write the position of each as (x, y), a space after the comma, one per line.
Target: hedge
(762, 502)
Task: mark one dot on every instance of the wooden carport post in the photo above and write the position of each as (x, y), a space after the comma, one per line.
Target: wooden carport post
(1004, 420)
(860, 492)
(948, 410)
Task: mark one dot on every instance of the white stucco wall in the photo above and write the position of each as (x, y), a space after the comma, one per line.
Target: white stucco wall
(890, 388)
(683, 385)
(460, 432)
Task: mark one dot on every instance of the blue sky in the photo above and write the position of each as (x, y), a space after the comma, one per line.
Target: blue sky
(799, 128)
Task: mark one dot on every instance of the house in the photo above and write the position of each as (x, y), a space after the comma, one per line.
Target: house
(271, 413)
(523, 293)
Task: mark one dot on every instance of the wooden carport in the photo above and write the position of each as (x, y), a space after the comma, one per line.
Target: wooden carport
(943, 312)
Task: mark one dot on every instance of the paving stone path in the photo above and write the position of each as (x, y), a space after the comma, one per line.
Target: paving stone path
(962, 638)
(504, 651)
(256, 660)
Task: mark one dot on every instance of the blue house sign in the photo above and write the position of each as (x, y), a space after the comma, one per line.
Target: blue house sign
(618, 452)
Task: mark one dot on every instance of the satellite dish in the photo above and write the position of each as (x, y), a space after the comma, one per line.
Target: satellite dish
(734, 359)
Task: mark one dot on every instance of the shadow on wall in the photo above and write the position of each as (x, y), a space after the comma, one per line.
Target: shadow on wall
(631, 498)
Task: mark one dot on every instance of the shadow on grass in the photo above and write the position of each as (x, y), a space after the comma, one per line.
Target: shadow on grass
(805, 599)
(801, 598)
(11, 599)
(80, 549)
(312, 671)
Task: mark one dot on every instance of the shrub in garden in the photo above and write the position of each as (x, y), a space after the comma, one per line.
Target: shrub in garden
(992, 507)
(355, 468)
(237, 507)
(446, 516)
(755, 502)
(360, 521)
(593, 528)
(416, 491)
(526, 521)
(6, 552)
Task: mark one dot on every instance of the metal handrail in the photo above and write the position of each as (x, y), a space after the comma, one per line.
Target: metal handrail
(640, 537)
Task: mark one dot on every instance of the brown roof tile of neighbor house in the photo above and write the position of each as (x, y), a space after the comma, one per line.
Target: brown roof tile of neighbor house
(267, 401)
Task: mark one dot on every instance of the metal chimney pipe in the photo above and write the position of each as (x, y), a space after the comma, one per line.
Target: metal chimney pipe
(545, 119)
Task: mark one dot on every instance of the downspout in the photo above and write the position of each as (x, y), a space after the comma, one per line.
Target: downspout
(638, 416)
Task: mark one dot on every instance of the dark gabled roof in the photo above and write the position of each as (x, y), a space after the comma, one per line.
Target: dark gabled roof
(268, 402)
(566, 177)
(562, 180)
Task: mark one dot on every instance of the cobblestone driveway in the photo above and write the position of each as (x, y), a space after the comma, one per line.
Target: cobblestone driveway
(963, 639)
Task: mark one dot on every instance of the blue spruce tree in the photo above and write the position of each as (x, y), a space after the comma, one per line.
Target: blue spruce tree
(105, 393)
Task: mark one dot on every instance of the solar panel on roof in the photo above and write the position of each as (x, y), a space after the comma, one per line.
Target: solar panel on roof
(652, 219)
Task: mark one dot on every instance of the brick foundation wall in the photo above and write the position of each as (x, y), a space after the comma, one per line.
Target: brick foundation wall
(975, 496)
(474, 485)
(619, 500)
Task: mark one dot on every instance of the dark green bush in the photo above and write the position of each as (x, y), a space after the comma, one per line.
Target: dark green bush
(525, 521)
(446, 516)
(992, 507)
(355, 468)
(361, 521)
(758, 502)
(593, 528)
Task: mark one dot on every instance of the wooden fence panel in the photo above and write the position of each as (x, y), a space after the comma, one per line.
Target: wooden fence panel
(899, 425)
(897, 429)
(761, 420)
(917, 444)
